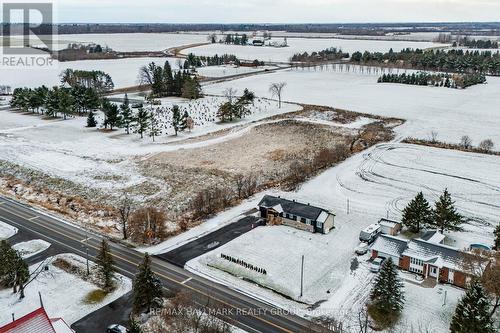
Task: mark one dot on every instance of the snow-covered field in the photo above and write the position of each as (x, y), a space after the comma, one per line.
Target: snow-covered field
(87, 156)
(227, 70)
(451, 112)
(124, 72)
(6, 231)
(300, 45)
(126, 42)
(63, 294)
(30, 248)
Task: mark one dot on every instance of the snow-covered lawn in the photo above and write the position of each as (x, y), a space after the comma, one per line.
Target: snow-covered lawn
(30, 248)
(63, 294)
(6, 231)
(451, 112)
(301, 45)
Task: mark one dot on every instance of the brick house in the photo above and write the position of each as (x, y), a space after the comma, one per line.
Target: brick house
(427, 257)
(277, 210)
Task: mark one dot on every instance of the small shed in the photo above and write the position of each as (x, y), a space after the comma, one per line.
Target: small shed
(389, 227)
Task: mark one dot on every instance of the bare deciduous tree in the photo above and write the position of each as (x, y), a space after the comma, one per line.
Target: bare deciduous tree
(276, 90)
(434, 136)
(124, 210)
(230, 94)
(486, 145)
(466, 142)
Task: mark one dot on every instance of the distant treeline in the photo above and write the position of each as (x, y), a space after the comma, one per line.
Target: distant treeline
(470, 28)
(437, 80)
(485, 62)
(476, 43)
(324, 55)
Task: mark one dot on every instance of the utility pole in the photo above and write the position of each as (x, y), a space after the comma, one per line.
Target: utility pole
(87, 249)
(302, 277)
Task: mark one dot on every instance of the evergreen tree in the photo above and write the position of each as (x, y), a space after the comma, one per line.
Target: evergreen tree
(14, 272)
(113, 118)
(147, 288)
(387, 292)
(191, 88)
(127, 117)
(66, 104)
(417, 214)
(105, 264)
(154, 129)
(178, 120)
(141, 121)
(496, 246)
(387, 297)
(472, 313)
(445, 216)
(91, 121)
(134, 327)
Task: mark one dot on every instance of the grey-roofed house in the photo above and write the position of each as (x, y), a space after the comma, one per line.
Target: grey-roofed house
(277, 210)
(427, 257)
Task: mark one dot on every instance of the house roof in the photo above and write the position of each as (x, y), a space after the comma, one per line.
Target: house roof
(293, 207)
(433, 236)
(388, 223)
(436, 254)
(391, 245)
(34, 322)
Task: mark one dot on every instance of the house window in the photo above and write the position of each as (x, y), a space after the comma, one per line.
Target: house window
(303, 220)
(287, 215)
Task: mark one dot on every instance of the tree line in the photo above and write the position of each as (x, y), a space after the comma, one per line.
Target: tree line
(329, 54)
(236, 39)
(164, 82)
(194, 61)
(80, 92)
(475, 43)
(485, 62)
(461, 81)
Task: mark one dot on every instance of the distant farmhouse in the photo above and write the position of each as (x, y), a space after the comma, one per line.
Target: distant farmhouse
(427, 256)
(277, 210)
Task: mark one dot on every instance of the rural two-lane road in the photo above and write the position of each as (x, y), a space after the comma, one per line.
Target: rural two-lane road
(240, 310)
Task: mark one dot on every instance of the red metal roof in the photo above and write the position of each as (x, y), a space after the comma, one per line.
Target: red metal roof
(34, 322)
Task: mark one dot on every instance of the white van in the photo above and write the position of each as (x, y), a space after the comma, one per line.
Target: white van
(369, 234)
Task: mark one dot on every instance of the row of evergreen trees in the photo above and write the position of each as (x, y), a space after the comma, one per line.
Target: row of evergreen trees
(142, 122)
(236, 39)
(164, 82)
(476, 43)
(460, 61)
(56, 101)
(329, 54)
(434, 79)
(14, 272)
(193, 61)
(418, 214)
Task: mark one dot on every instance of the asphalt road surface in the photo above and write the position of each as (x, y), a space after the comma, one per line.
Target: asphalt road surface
(181, 255)
(240, 310)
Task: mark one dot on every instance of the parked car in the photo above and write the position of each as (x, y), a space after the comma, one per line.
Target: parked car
(370, 233)
(116, 329)
(137, 105)
(376, 264)
(361, 249)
